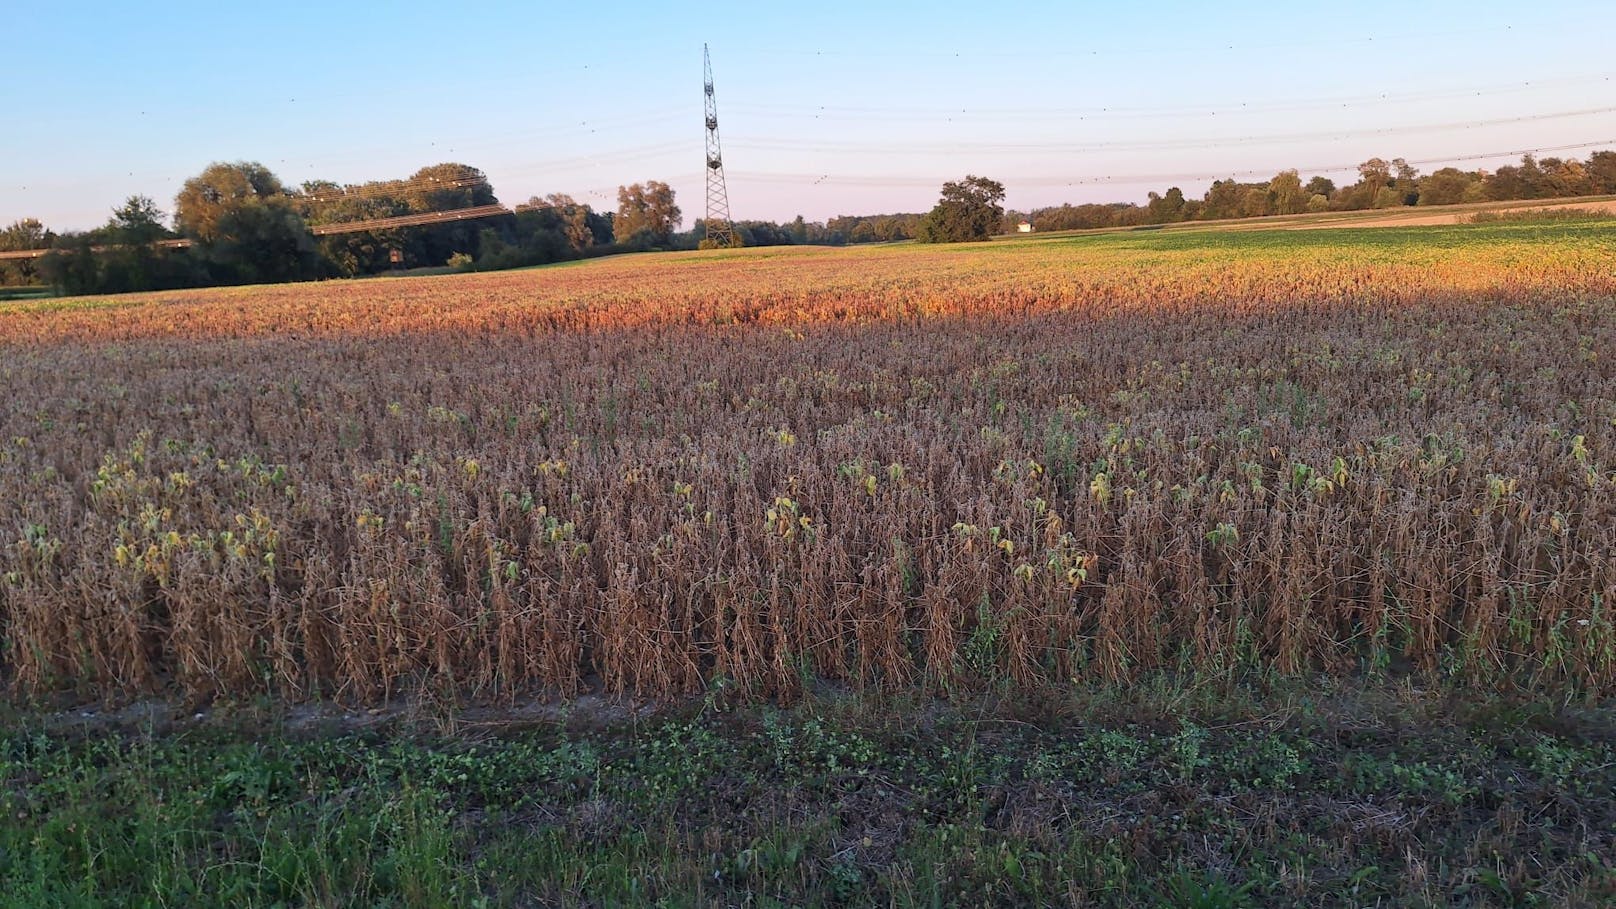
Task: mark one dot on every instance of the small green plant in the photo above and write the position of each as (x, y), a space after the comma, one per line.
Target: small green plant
(1187, 890)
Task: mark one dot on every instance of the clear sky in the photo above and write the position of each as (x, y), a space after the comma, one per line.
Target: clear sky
(824, 108)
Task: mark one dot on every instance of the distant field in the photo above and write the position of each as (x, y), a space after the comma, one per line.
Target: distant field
(1462, 214)
(1414, 216)
(23, 293)
(1039, 461)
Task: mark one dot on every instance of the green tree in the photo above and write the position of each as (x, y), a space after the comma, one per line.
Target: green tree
(1374, 175)
(71, 266)
(27, 233)
(131, 260)
(1321, 186)
(1405, 182)
(1255, 202)
(1566, 177)
(1223, 200)
(576, 222)
(446, 187)
(363, 252)
(1448, 186)
(138, 222)
(1376, 172)
(1286, 195)
(1516, 182)
(969, 209)
(263, 243)
(1165, 209)
(222, 189)
(245, 226)
(646, 213)
(1602, 171)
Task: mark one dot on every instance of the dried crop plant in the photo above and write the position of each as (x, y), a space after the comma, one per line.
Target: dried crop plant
(1040, 464)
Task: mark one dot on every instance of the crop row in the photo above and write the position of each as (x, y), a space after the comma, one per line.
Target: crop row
(1044, 464)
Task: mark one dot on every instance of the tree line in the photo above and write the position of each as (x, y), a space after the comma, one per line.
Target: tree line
(1380, 184)
(246, 226)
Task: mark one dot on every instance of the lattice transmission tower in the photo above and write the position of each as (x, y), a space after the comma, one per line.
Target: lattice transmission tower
(719, 228)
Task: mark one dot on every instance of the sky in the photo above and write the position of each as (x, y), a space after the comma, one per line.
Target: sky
(824, 109)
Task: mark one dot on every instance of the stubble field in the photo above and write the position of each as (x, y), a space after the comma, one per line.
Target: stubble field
(1202, 569)
(1043, 462)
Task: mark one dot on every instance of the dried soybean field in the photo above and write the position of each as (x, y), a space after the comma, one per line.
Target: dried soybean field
(1037, 463)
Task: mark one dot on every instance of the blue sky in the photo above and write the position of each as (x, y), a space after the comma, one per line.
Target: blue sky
(825, 109)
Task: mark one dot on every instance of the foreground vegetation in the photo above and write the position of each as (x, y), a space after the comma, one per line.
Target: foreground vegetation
(1161, 796)
(1190, 569)
(1050, 462)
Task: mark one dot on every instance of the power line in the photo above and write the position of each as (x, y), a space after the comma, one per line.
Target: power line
(628, 154)
(386, 188)
(897, 181)
(428, 217)
(1230, 108)
(1179, 143)
(1200, 49)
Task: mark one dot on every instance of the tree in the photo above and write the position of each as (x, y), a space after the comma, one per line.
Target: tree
(1165, 209)
(1602, 171)
(263, 243)
(27, 233)
(1375, 172)
(1286, 195)
(968, 210)
(245, 225)
(139, 222)
(1321, 186)
(1406, 182)
(1374, 176)
(1223, 200)
(646, 212)
(120, 256)
(764, 233)
(364, 252)
(576, 222)
(221, 189)
(70, 266)
(1522, 182)
(1448, 186)
(132, 261)
(1255, 203)
(446, 187)
(1563, 178)
(844, 229)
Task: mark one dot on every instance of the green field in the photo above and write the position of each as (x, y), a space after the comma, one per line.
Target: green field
(23, 293)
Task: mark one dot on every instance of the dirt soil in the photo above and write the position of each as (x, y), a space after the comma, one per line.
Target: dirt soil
(1417, 218)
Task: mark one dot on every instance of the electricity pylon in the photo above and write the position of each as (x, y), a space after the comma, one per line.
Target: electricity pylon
(719, 228)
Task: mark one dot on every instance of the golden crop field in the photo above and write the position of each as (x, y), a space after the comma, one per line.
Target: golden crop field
(1041, 462)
